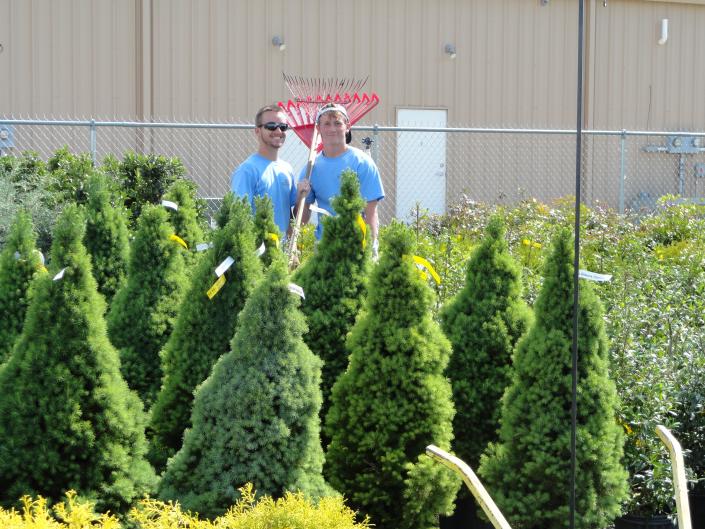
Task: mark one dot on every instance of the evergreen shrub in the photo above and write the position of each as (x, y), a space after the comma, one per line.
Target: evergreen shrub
(393, 400)
(483, 321)
(266, 230)
(203, 330)
(188, 220)
(69, 420)
(524, 470)
(142, 315)
(255, 418)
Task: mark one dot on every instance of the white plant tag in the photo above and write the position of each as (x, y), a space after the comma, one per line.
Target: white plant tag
(222, 267)
(170, 204)
(296, 289)
(60, 274)
(259, 251)
(17, 256)
(203, 246)
(41, 257)
(594, 276)
(319, 210)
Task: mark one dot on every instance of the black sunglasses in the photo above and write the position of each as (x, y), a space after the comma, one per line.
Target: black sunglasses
(271, 125)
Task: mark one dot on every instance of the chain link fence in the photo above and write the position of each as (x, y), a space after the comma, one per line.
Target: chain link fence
(430, 168)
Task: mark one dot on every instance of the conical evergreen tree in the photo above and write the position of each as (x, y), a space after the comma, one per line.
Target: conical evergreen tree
(19, 262)
(106, 238)
(69, 420)
(223, 214)
(143, 312)
(185, 219)
(393, 400)
(255, 419)
(266, 230)
(203, 330)
(334, 281)
(483, 322)
(528, 470)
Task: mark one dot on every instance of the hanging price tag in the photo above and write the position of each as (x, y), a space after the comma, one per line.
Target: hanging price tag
(223, 267)
(296, 289)
(259, 251)
(60, 274)
(594, 276)
(274, 237)
(171, 205)
(203, 246)
(420, 261)
(215, 287)
(17, 256)
(178, 240)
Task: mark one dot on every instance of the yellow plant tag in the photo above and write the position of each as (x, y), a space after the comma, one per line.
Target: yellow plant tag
(179, 240)
(363, 227)
(423, 262)
(43, 268)
(274, 237)
(213, 290)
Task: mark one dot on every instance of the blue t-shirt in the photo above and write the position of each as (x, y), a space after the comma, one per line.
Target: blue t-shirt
(257, 176)
(325, 179)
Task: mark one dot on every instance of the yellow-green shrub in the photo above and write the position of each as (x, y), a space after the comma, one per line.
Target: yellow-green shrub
(293, 511)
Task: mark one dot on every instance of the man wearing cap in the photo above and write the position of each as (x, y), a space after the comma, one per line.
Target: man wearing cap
(337, 156)
(263, 173)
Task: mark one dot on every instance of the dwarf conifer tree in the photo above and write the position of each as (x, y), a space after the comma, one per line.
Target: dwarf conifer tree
(19, 262)
(393, 400)
(68, 418)
(185, 220)
(203, 330)
(528, 470)
(142, 314)
(223, 214)
(483, 323)
(255, 418)
(106, 238)
(334, 281)
(266, 230)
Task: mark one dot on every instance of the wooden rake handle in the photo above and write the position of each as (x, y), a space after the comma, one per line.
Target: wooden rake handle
(300, 206)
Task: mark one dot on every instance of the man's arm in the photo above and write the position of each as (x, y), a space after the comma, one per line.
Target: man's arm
(372, 219)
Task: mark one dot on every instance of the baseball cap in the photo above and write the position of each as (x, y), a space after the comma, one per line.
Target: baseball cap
(332, 107)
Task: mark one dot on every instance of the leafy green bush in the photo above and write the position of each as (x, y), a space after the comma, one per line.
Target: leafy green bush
(255, 418)
(69, 420)
(532, 456)
(483, 322)
(68, 176)
(106, 238)
(334, 280)
(203, 330)
(393, 400)
(19, 262)
(266, 230)
(141, 317)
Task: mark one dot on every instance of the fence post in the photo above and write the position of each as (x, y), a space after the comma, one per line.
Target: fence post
(622, 176)
(94, 154)
(375, 143)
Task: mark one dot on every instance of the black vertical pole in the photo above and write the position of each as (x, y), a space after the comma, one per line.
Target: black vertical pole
(576, 261)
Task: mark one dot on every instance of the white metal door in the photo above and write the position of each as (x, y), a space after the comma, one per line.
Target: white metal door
(421, 163)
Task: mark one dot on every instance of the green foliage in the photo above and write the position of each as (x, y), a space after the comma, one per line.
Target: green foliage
(73, 513)
(483, 321)
(68, 176)
(19, 262)
(524, 469)
(187, 220)
(106, 238)
(334, 281)
(203, 330)
(393, 400)
(266, 230)
(69, 420)
(143, 312)
(23, 186)
(144, 178)
(255, 418)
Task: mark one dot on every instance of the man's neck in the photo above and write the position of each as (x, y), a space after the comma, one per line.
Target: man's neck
(335, 151)
(269, 153)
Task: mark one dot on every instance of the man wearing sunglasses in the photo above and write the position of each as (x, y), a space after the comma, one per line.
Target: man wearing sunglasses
(263, 173)
(337, 155)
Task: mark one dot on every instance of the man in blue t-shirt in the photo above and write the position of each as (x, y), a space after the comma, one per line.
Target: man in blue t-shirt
(337, 156)
(263, 173)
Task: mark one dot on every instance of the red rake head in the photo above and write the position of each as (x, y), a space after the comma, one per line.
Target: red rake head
(301, 115)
